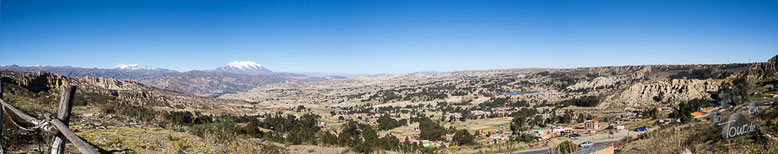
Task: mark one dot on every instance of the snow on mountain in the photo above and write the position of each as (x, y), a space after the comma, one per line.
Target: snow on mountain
(132, 67)
(143, 70)
(244, 67)
(37, 66)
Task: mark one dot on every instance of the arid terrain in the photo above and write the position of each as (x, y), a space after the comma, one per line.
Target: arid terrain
(489, 111)
(462, 112)
(388, 77)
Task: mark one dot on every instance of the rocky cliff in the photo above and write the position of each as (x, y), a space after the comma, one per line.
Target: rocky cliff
(597, 82)
(767, 69)
(672, 91)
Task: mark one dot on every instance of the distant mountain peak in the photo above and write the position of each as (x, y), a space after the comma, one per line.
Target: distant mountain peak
(132, 67)
(244, 67)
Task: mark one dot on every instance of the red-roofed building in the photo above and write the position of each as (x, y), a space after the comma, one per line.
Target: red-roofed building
(591, 125)
(696, 115)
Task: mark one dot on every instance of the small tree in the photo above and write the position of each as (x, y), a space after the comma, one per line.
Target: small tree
(431, 130)
(519, 124)
(463, 137)
(566, 147)
(300, 108)
(659, 97)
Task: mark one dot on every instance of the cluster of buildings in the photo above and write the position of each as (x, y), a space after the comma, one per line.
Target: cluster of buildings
(425, 143)
(589, 126)
(499, 134)
(539, 94)
(634, 114)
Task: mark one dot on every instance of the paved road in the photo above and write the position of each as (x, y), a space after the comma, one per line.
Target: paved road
(535, 151)
(551, 150)
(599, 139)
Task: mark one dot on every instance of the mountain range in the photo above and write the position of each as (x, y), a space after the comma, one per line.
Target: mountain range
(235, 76)
(244, 67)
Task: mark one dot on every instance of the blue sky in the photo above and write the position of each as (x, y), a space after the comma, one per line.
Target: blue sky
(386, 36)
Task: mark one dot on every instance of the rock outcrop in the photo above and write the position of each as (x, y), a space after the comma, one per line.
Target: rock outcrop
(596, 82)
(108, 83)
(674, 91)
(125, 91)
(35, 82)
(767, 69)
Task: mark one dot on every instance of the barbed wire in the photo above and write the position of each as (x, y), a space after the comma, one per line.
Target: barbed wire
(39, 124)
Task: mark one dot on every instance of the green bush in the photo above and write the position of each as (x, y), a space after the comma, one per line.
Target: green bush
(463, 137)
(566, 146)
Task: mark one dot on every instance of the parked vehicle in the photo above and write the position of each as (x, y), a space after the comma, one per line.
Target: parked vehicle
(575, 136)
(644, 128)
(586, 144)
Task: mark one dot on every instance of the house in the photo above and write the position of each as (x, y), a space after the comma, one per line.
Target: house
(578, 130)
(441, 144)
(321, 124)
(495, 135)
(428, 143)
(450, 137)
(544, 109)
(545, 134)
(373, 121)
(696, 115)
(591, 125)
(711, 109)
(402, 138)
(478, 112)
(570, 131)
(704, 112)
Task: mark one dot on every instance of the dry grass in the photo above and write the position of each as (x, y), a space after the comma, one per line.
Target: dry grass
(697, 137)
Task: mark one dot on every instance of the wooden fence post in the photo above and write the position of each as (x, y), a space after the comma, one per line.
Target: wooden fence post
(65, 106)
(1, 116)
(82, 146)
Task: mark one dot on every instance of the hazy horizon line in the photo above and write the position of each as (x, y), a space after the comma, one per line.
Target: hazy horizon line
(383, 73)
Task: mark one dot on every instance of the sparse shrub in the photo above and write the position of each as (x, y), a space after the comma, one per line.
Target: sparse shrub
(463, 137)
(566, 147)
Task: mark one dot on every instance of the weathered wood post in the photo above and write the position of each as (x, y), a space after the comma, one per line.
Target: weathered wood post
(1, 116)
(65, 106)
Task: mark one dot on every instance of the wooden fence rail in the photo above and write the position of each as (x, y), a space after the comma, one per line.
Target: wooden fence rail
(60, 123)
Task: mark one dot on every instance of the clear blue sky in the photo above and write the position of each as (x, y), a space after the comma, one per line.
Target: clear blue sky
(366, 36)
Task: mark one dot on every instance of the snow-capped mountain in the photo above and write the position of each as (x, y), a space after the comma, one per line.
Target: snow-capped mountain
(132, 67)
(244, 67)
(145, 70)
